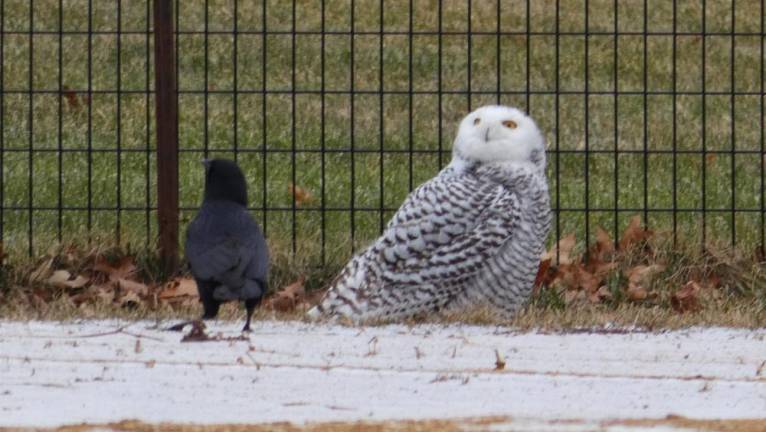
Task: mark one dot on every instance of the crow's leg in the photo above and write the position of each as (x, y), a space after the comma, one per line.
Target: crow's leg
(209, 304)
(250, 307)
(211, 309)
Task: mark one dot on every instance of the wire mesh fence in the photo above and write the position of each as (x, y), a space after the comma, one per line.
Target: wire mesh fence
(336, 109)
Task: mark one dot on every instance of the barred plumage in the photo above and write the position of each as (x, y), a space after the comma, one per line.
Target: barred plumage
(470, 236)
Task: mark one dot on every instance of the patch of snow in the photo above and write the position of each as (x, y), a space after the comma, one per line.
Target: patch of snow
(64, 373)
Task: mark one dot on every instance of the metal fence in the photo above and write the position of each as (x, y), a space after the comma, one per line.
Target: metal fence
(336, 109)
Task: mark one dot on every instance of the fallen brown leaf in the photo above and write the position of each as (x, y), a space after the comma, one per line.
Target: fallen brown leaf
(63, 279)
(542, 275)
(713, 281)
(637, 292)
(686, 298)
(581, 282)
(634, 234)
(642, 274)
(122, 269)
(603, 249)
(129, 299)
(289, 297)
(601, 293)
(133, 287)
(104, 293)
(71, 98)
(300, 195)
(177, 289)
(639, 277)
(589, 282)
(42, 271)
(561, 251)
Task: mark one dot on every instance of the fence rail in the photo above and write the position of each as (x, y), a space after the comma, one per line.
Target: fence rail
(336, 109)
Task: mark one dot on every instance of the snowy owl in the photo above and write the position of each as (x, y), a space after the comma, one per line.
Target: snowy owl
(471, 236)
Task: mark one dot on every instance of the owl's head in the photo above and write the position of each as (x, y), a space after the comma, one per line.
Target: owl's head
(496, 133)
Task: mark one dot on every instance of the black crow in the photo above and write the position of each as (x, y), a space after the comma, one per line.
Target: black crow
(225, 247)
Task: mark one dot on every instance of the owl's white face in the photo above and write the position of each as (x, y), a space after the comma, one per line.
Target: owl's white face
(497, 133)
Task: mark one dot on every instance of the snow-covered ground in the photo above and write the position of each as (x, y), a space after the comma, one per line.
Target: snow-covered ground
(105, 371)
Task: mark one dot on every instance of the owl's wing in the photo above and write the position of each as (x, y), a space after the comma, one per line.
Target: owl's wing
(446, 230)
(439, 238)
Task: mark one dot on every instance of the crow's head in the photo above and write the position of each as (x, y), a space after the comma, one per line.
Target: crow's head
(224, 181)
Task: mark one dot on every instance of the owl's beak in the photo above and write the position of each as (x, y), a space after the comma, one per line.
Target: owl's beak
(486, 136)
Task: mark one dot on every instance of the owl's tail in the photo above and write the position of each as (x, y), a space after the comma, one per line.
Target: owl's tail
(345, 296)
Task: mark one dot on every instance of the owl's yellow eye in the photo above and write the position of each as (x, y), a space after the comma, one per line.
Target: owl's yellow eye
(510, 124)
(476, 121)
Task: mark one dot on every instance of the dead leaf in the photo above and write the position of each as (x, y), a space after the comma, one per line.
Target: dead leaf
(603, 248)
(637, 292)
(133, 287)
(600, 269)
(300, 195)
(567, 277)
(634, 233)
(123, 269)
(42, 271)
(686, 299)
(713, 281)
(581, 282)
(288, 298)
(588, 281)
(560, 253)
(104, 293)
(179, 288)
(71, 98)
(601, 293)
(63, 279)
(639, 277)
(542, 275)
(642, 274)
(130, 299)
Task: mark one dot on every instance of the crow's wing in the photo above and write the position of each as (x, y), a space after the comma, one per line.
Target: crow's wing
(223, 243)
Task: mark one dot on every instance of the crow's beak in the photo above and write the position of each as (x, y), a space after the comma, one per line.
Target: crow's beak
(206, 163)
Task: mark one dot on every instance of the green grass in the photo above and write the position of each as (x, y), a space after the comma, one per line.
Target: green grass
(63, 178)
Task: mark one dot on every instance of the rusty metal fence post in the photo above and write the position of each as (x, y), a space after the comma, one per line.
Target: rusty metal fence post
(166, 114)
